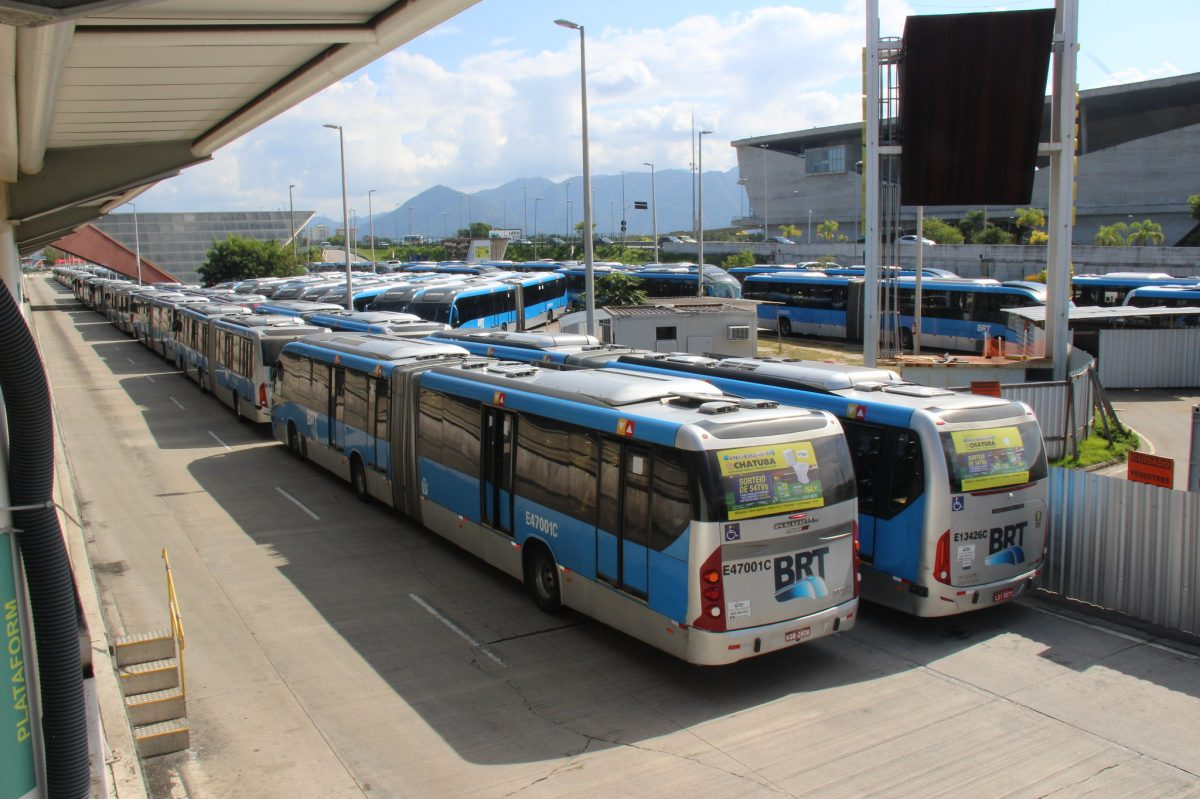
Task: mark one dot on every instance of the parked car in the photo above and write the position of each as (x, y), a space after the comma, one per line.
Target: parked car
(605, 240)
(669, 240)
(780, 240)
(910, 239)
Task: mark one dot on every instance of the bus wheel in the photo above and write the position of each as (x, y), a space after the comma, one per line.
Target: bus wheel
(200, 377)
(785, 326)
(358, 479)
(504, 326)
(541, 577)
(237, 407)
(906, 339)
(293, 438)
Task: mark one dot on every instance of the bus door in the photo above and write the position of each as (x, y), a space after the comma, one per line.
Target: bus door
(496, 469)
(622, 557)
(518, 295)
(381, 409)
(337, 408)
(854, 310)
(866, 452)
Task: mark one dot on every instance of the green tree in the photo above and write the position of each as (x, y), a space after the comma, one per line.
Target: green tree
(1194, 202)
(827, 230)
(743, 258)
(1111, 235)
(1029, 220)
(992, 235)
(239, 258)
(1038, 237)
(619, 288)
(790, 231)
(971, 223)
(1145, 232)
(942, 232)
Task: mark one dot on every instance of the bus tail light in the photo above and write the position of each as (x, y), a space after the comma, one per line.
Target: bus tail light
(712, 595)
(262, 395)
(941, 559)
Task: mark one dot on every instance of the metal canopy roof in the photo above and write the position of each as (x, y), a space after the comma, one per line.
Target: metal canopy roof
(102, 99)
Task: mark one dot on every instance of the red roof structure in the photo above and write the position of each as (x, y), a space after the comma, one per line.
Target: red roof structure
(98, 248)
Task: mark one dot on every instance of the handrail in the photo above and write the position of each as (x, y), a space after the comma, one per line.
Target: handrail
(176, 621)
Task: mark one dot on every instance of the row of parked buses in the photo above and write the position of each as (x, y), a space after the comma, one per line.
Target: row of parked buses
(716, 509)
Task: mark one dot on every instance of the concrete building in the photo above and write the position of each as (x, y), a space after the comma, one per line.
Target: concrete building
(1137, 160)
(179, 242)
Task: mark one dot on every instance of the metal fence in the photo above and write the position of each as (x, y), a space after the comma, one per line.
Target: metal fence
(1125, 546)
(1150, 358)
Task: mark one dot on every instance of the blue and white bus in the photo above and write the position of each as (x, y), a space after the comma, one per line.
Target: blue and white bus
(1110, 289)
(244, 350)
(1164, 297)
(679, 280)
(296, 308)
(952, 488)
(712, 527)
(194, 339)
(740, 273)
(956, 314)
(384, 323)
(517, 303)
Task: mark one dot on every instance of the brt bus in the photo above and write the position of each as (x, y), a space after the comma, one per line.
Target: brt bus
(952, 488)
(384, 323)
(243, 350)
(516, 302)
(192, 348)
(1164, 297)
(711, 527)
(679, 280)
(1110, 289)
(956, 313)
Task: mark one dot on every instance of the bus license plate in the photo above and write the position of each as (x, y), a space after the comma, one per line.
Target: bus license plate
(797, 635)
(1000, 596)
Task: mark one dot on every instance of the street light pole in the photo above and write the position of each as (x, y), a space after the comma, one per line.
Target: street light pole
(536, 200)
(137, 244)
(588, 256)
(653, 208)
(700, 211)
(371, 223)
(410, 227)
(809, 236)
(292, 217)
(345, 216)
(766, 219)
(623, 206)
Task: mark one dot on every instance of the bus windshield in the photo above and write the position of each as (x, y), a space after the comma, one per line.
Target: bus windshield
(764, 480)
(431, 311)
(994, 457)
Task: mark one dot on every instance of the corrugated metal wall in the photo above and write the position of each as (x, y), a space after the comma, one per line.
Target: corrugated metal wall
(1150, 358)
(1126, 547)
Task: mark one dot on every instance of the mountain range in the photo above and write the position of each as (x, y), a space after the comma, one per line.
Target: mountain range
(441, 211)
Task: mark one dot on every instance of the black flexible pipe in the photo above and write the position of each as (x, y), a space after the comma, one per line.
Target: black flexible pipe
(47, 570)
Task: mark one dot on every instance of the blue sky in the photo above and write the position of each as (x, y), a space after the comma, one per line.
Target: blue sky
(492, 95)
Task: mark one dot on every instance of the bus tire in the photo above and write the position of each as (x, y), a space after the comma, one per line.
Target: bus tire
(293, 438)
(906, 339)
(200, 378)
(541, 578)
(504, 326)
(237, 407)
(358, 480)
(785, 326)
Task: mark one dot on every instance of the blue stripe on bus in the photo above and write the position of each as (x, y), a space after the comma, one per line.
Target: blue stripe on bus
(600, 418)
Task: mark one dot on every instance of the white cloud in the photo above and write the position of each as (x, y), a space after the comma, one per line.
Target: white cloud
(506, 114)
(1133, 74)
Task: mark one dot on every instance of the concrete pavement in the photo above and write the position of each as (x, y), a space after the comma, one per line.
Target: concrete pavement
(334, 649)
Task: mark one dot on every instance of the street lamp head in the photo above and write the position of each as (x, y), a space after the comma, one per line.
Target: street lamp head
(333, 127)
(705, 132)
(647, 163)
(566, 23)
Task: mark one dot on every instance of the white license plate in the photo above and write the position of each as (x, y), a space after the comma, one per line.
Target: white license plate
(797, 635)
(1000, 596)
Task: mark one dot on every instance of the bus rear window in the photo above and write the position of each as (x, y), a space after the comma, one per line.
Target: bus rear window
(994, 457)
(748, 482)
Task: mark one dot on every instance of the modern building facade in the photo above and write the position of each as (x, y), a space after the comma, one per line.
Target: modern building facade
(179, 242)
(1137, 160)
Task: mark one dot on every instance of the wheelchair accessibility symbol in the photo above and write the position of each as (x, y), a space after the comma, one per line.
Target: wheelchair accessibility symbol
(958, 503)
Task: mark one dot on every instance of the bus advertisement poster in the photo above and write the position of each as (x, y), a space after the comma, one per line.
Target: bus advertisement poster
(774, 479)
(990, 458)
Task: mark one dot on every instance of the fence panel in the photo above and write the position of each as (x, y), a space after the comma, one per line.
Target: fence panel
(1126, 547)
(1150, 358)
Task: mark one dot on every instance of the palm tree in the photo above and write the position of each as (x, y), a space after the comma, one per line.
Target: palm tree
(1146, 232)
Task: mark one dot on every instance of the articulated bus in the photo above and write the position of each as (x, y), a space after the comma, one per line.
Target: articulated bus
(956, 313)
(712, 527)
(952, 488)
(243, 350)
(679, 280)
(390, 323)
(192, 340)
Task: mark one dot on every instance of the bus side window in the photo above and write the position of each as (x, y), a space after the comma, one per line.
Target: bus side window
(908, 472)
(866, 447)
